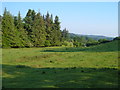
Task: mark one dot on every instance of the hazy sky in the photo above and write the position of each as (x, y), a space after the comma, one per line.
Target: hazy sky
(96, 18)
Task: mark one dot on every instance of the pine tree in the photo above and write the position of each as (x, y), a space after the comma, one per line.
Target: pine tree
(52, 33)
(0, 31)
(65, 35)
(48, 29)
(9, 37)
(28, 25)
(24, 42)
(15, 20)
(56, 32)
(39, 31)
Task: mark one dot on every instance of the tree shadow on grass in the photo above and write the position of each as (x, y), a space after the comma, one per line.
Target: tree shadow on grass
(105, 47)
(81, 49)
(21, 76)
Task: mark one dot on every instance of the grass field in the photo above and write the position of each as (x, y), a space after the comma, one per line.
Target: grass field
(61, 67)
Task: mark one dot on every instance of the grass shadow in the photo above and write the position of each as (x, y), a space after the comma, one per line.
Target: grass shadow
(106, 47)
(79, 49)
(21, 76)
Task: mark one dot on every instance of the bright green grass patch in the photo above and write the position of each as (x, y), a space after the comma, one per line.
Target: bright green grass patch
(61, 67)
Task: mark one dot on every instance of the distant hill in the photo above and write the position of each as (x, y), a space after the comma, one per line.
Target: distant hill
(95, 37)
(110, 46)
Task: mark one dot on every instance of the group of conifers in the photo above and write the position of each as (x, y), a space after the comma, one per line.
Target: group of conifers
(37, 30)
(34, 30)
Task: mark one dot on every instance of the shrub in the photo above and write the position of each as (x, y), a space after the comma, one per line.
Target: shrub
(103, 40)
(92, 43)
(47, 43)
(66, 43)
(117, 38)
(77, 44)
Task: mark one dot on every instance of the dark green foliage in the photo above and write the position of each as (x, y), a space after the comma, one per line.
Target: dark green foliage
(30, 16)
(66, 43)
(47, 43)
(22, 34)
(0, 31)
(79, 41)
(117, 38)
(49, 28)
(84, 41)
(103, 40)
(65, 35)
(57, 32)
(100, 41)
(9, 33)
(77, 44)
(35, 30)
(39, 34)
(92, 43)
(0, 19)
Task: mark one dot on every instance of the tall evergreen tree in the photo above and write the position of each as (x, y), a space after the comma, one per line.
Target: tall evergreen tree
(47, 23)
(65, 35)
(52, 33)
(0, 31)
(9, 32)
(49, 28)
(39, 31)
(15, 20)
(30, 16)
(57, 32)
(24, 42)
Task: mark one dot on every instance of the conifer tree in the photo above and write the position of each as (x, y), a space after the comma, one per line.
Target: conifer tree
(0, 31)
(24, 42)
(47, 23)
(30, 16)
(39, 31)
(49, 28)
(57, 32)
(65, 34)
(51, 31)
(9, 32)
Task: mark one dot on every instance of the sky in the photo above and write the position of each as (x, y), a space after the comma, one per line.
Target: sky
(87, 18)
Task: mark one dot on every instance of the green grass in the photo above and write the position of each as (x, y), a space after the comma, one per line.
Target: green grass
(61, 67)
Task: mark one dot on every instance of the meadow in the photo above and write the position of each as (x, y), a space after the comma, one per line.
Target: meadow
(61, 67)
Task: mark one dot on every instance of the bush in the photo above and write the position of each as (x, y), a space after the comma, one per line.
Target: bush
(117, 38)
(66, 43)
(77, 44)
(92, 43)
(103, 40)
(47, 43)
(70, 44)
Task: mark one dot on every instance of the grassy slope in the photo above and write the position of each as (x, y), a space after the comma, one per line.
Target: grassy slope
(53, 67)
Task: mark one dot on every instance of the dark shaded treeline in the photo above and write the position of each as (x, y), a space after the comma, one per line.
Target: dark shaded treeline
(34, 30)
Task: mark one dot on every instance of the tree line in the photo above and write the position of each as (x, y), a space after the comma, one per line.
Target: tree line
(34, 30)
(37, 30)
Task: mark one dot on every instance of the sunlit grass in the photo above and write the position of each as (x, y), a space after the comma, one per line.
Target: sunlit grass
(61, 67)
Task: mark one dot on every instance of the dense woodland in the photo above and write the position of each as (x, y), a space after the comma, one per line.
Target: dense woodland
(37, 30)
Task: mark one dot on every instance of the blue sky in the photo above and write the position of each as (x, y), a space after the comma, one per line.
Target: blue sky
(96, 18)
